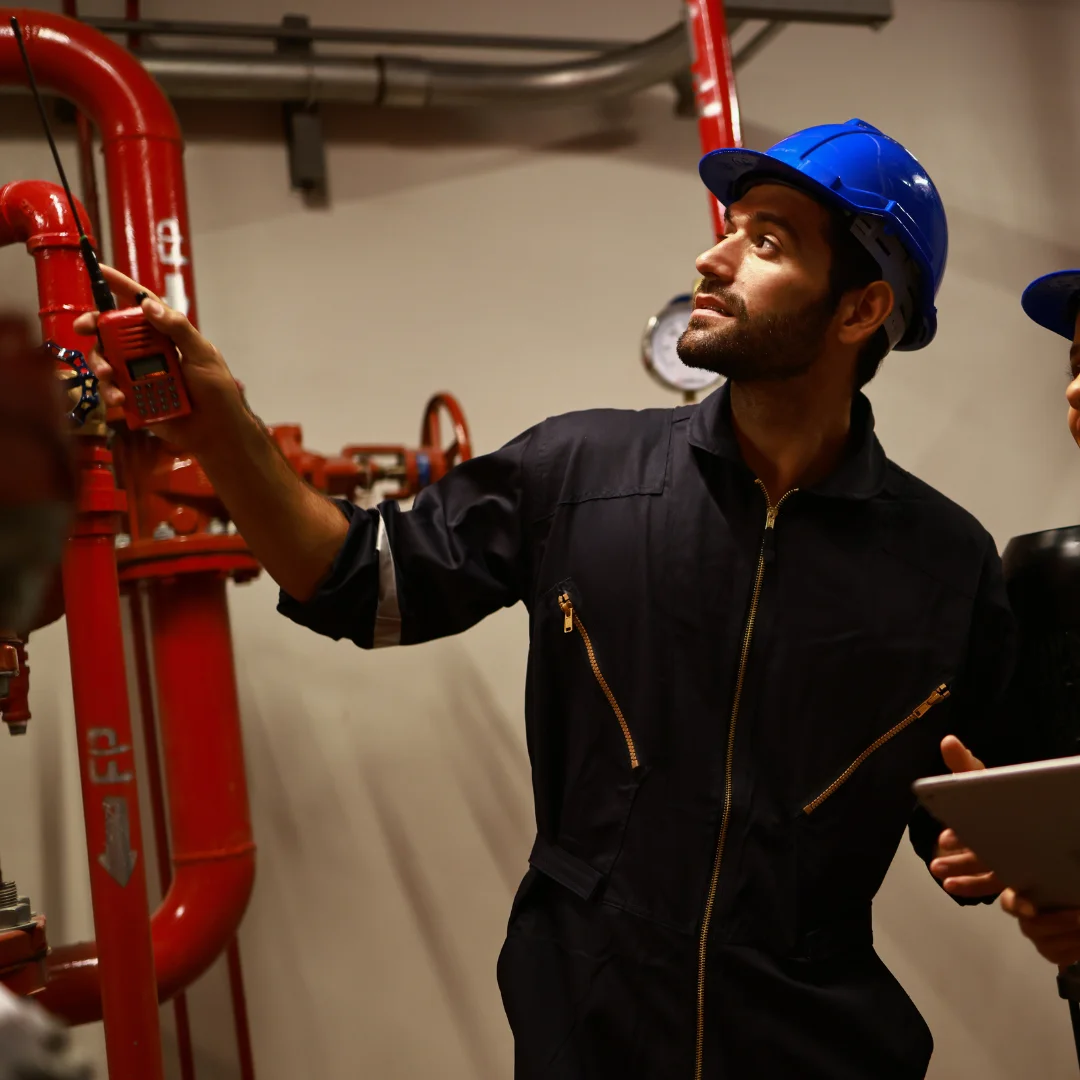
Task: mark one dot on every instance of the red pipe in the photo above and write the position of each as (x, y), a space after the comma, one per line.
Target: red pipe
(240, 1013)
(87, 175)
(131, 13)
(37, 214)
(212, 852)
(140, 138)
(714, 85)
(110, 799)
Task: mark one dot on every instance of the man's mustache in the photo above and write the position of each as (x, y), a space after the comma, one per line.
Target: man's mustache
(733, 303)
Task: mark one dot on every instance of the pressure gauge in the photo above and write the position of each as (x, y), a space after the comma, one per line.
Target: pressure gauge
(660, 355)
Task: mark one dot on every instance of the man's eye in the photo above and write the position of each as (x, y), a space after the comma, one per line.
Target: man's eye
(767, 243)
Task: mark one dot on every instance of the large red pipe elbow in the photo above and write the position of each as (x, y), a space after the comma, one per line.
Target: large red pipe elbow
(36, 213)
(140, 141)
(212, 850)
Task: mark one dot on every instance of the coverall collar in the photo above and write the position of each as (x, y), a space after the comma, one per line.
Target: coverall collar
(860, 474)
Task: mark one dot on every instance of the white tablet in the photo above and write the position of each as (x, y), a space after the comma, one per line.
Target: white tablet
(1023, 821)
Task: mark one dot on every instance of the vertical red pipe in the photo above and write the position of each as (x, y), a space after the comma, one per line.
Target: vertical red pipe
(88, 177)
(240, 1014)
(157, 803)
(110, 797)
(714, 84)
(131, 13)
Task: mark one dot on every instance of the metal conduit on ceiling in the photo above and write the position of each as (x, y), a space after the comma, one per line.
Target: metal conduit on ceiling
(296, 73)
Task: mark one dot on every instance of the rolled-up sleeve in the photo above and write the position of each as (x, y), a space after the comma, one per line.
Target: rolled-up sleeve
(408, 576)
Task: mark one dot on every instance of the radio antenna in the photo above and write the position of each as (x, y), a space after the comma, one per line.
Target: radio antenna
(103, 297)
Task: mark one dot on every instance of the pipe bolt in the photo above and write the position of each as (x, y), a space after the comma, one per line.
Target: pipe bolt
(14, 909)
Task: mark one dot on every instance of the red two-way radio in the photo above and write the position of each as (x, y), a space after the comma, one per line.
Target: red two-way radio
(145, 364)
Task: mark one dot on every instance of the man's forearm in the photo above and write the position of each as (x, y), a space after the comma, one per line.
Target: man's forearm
(293, 530)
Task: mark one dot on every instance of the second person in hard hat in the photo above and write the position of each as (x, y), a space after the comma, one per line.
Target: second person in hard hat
(750, 631)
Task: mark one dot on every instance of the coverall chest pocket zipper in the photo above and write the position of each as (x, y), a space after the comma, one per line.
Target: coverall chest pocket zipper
(572, 624)
(920, 710)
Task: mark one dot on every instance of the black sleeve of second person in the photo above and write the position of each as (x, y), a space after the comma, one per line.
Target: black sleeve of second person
(456, 556)
(986, 720)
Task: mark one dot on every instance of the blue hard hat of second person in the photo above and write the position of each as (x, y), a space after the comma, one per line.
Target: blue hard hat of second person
(1052, 301)
(893, 206)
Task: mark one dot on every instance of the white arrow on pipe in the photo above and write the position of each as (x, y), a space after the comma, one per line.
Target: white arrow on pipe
(117, 858)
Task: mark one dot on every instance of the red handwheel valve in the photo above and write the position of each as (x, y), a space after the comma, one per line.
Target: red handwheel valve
(431, 433)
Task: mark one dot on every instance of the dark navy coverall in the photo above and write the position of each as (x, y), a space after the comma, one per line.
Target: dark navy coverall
(727, 702)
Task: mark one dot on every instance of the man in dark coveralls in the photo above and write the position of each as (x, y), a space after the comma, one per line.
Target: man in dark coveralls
(750, 632)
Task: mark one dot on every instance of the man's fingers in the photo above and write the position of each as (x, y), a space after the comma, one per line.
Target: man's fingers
(949, 842)
(958, 758)
(176, 326)
(974, 886)
(124, 288)
(1063, 951)
(962, 863)
(109, 393)
(194, 347)
(1052, 924)
(1017, 905)
(86, 323)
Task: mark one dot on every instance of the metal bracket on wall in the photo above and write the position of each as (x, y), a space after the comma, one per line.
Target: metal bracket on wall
(303, 123)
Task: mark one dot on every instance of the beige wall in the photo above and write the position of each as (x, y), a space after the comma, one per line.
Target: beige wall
(513, 259)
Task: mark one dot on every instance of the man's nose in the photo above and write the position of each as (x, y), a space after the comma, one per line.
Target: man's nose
(719, 262)
(1072, 394)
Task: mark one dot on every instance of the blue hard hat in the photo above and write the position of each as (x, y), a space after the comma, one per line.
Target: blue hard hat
(855, 168)
(1050, 301)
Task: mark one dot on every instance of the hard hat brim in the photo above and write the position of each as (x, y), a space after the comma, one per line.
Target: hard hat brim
(724, 172)
(1048, 301)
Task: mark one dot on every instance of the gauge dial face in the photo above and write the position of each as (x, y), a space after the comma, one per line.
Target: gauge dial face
(660, 352)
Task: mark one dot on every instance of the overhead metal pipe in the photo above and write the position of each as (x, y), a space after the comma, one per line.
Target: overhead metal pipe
(406, 81)
(347, 35)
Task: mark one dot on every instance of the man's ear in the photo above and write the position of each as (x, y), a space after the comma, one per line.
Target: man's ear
(863, 311)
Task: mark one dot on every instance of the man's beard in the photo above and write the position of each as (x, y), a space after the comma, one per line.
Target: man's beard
(758, 348)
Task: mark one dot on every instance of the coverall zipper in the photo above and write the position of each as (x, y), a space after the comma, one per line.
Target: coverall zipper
(710, 901)
(570, 621)
(939, 695)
